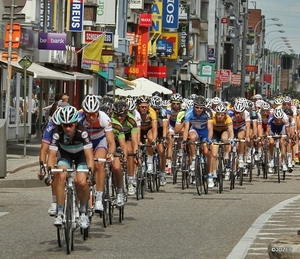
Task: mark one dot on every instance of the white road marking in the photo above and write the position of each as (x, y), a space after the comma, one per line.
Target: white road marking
(3, 213)
(241, 248)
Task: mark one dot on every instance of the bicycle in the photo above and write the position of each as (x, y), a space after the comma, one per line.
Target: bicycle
(201, 170)
(141, 177)
(66, 231)
(277, 154)
(220, 166)
(174, 165)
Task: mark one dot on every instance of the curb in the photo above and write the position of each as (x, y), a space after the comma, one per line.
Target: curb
(12, 171)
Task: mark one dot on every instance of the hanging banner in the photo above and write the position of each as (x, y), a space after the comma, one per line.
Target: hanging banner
(184, 38)
(106, 12)
(75, 15)
(170, 18)
(156, 11)
(49, 16)
(145, 19)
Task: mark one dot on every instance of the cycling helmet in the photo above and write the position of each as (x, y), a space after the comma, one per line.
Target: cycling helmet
(250, 105)
(259, 103)
(265, 106)
(287, 99)
(55, 116)
(192, 96)
(143, 99)
(91, 104)
(165, 104)
(278, 113)
(278, 101)
(288, 111)
(208, 104)
(68, 114)
(239, 106)
(130, 103)
(176, 98)
(199, 101)
(107, 99)
(106, 108)
(220, 108)
(156, 93)
(156, 102)
(189, 104)
(216, 100)
(120, 107)
(257, 97)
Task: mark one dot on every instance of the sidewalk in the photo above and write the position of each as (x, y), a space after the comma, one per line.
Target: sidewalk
(21, 171)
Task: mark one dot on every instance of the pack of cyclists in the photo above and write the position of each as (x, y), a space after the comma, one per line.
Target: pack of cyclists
(103, 126)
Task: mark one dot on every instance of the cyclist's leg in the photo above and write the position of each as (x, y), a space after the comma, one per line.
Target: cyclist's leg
(150, 151)
(118, 177)
(241, 147)
(130, 169)
(100, 152)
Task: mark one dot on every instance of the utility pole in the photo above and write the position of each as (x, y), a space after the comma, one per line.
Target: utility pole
(244, 48)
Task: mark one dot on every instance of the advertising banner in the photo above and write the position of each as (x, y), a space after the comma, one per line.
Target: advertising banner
(136, 4)
(170, 40)
(141, 56)
(49, 15)
(156, 11)
(52, 41)
(183, 12)
(89, 36)
(106, 12)
(184, 38)
(75, 15)
(157, 71)
(170, 18)
(145, 19)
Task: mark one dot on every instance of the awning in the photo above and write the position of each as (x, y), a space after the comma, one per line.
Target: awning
(198, 78)
(126, 81)
(119, 83)
(38, 71)
(77, 75)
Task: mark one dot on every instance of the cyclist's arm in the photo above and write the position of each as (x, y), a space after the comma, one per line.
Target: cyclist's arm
(110, 141)
(247, 123)
(89, 155)
(134, 141)
(51, 158)
(154, 129)
(230, 131)
(210, 128)
(123, 146)
(254, 128)
(186, 130)
(43, 152)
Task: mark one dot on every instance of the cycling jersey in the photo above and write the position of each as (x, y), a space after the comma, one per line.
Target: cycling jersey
(161, 116)
(180, 117)
(96, 130)
(173, 115)
(48, 132)
(137, 117)
(129, 125)
(238, 123)
(146, 123)
(276, 128)
(221, 126)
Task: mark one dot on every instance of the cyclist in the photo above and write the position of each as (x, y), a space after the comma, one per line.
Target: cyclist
(129, 124)
(99, 126)
(278, 124)
(241, 127)
(162, 129)
(176, 100)
(148, 127)
(72, 141)
(293, 141)
(131, 103)
(46, 140)
(222, 131)
(198, 125)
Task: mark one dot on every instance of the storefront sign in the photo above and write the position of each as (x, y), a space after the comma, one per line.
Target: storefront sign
(171, 38)
(26, 40)
(106, 12)
(145, 20)
(170, 17)
(135, 4)
(75, 15)
(206, 69)
(156, 11)
(157, 71)
(52, 41)
(89, 36)
(49, 15)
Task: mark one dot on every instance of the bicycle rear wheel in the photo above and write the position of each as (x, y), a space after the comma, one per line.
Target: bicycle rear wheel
(241, 175)
(198, 176)
(220, 174)
(184, 171)
(60, 236)
(138, 182)
(232, 173)
(68, 224)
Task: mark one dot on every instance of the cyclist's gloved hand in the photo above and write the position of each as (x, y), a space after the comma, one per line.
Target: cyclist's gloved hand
(231, 141)
(183, 144)
(209, 141)
(153, 143)
(110, 157)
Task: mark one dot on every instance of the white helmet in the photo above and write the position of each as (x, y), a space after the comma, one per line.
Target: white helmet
(239, 106)
(55, 116)
(265, 106)
(259, 103)
(215, 100)
(278, 113)
(91, 103)
(220, 108)
(131, 103)
(278, 101)
(287, 99)
(257, 96)
(68, 114)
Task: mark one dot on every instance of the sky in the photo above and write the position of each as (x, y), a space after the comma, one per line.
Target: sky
(288, 13)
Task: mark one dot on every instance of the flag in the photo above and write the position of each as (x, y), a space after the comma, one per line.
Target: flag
(91, 55)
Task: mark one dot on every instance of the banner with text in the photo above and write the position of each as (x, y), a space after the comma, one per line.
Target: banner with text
(170, 17)
(75, 15)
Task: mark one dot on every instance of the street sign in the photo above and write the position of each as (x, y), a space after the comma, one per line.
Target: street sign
(16, 35)
(14, 56)
(236, 79)
(224, 20)
(25, 62)
(206, 69)
(18, 5)
(224, 75)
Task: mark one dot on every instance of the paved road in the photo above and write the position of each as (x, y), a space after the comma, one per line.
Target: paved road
(170, 224)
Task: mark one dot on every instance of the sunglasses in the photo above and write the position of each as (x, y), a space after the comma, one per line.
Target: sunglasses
(69, 125)
(199, 107)
(91, 114)
(143, 107)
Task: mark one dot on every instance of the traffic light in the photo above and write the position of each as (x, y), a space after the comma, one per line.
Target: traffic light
(286, 62)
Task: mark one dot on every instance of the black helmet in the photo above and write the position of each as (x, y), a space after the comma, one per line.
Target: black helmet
(199, 101)
(106, 108)
(288, 111)
(120, 107)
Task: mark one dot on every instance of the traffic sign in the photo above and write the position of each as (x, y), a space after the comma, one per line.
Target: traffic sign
(224, 20)
(14, 56)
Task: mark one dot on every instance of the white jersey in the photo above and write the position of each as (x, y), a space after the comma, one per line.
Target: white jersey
(137, 117)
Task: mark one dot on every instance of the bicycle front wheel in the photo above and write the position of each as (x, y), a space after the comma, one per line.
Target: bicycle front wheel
(198, 176)
(68, 224)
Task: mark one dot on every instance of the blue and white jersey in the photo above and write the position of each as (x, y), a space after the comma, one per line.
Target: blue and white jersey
(277, 128)
(173, 116)
(48, 132)
(197, 122)
(161, 116)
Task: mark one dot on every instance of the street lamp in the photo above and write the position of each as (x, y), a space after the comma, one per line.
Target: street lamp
(284, 38)
(281, 31)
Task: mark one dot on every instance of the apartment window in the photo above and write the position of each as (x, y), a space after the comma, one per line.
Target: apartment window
(204, 11)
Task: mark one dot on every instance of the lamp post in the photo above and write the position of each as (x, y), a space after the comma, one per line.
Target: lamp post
(284, 38)
(25, 63)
